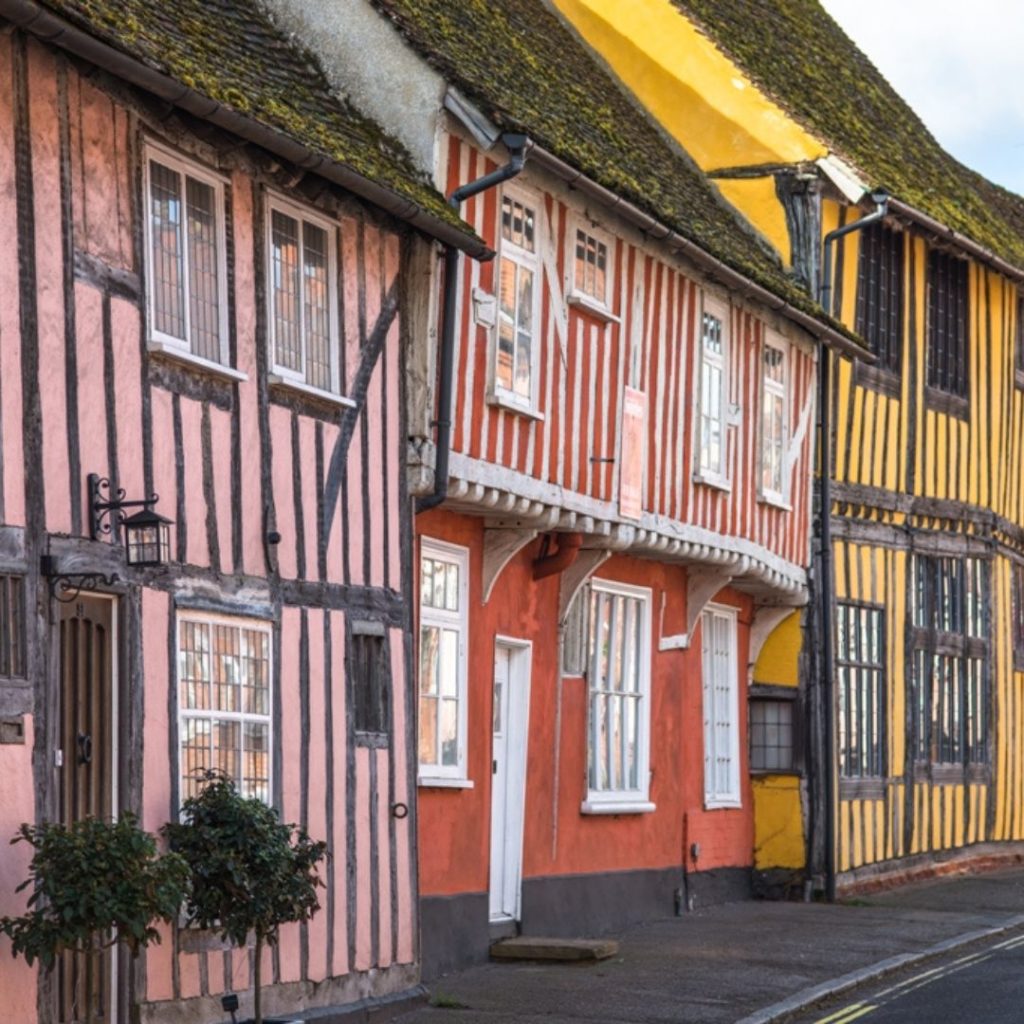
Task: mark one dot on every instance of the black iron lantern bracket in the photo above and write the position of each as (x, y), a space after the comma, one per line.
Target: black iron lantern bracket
(100, 507)
(66, 586)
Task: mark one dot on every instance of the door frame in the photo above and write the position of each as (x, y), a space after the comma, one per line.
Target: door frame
(520, 681)
(119, 961)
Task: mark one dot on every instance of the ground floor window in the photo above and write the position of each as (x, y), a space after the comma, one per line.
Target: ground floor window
(721, 708)
(444, 624)
(950, 668)
(224, 702)
(618, 683)
(860, 682)
(774, 729)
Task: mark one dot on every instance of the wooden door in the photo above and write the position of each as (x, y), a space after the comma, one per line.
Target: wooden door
(87, 774)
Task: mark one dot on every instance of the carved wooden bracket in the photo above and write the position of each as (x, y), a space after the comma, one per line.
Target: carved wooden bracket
(501, 545)
(701, 587)
(766, 618)
(586, 564)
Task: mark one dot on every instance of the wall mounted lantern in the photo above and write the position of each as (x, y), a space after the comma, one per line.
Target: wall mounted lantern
(147, 534)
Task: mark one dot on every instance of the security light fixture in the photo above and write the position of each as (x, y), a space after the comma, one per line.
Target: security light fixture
(147, 535)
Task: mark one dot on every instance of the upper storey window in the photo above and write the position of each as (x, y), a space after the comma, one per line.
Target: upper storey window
(711, 417)
(947, 324)
(773, 421)
(186, 269)
(1019, 344)
(518, 298)
(591, 272)
(303, 297)
(880, 295)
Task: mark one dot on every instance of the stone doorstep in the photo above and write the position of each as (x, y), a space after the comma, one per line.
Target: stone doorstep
(525, 947)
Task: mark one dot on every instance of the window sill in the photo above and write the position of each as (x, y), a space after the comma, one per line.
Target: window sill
(597, 805)
(432, 782)
(275, 380)
(514, 405)
(775, 501)
(177, 354)
(877, 378)
(945, 402)
(723, 805)
(764, 773)
(719, 483)
(590, 305)
(871, 788)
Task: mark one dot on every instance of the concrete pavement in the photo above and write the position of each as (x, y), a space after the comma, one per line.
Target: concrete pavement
(751, 961)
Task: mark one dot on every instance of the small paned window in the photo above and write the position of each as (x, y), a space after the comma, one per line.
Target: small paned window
(12, 626)
(518, 299)
(185, 269)
(772, 735)
(947, 324)
(224, 703)
(773, 421)
(860, 678)
(951, 660)
(879, 317)
(1019, 344)
(1018, 616)
(721, 708)
(371, 683)
(712, 406)
(303, 297)
(618, 683)
(442, 663)
(590, 269)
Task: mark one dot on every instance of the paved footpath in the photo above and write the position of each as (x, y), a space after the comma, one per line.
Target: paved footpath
(752, 961)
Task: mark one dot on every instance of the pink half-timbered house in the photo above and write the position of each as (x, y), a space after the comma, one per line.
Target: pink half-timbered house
(203, 284)
(627, 505)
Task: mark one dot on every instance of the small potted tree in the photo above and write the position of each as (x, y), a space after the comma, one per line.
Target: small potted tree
(93, 883)
(250, 872)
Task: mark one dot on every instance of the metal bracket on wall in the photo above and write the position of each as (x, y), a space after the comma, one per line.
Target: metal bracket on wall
(66, 586)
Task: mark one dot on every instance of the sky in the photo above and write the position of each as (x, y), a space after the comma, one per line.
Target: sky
(960, 66)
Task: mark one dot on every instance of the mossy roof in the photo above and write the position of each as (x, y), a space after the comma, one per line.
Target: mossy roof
(527, 71)
(800, 57)
(231, 52)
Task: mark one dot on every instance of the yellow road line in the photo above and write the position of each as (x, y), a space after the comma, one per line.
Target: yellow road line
(848, 1013)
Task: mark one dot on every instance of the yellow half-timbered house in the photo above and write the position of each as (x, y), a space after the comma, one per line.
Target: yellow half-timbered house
(908, 677)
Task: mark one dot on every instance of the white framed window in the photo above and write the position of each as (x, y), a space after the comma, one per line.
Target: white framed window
(225, 702)
(302, 295)
(712, 406)
(186, 265)
(443, 692)
(518, 322)
(721, 708)
(774, 412)
(590, 280)
(619, 713)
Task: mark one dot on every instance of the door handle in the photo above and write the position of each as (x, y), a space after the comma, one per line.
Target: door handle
(84, 748)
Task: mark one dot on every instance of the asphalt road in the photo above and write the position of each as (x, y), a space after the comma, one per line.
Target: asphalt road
(980, 985)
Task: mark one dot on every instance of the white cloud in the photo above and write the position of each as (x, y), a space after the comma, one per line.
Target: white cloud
(958, 66)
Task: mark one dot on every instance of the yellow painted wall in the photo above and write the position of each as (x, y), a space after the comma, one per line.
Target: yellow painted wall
(755, 198)
(778, 823)
(701, 98)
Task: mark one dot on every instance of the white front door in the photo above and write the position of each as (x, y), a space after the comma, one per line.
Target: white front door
(508, 780)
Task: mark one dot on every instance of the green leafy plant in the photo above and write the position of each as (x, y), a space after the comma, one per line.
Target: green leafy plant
(93, 883)
(250, 872)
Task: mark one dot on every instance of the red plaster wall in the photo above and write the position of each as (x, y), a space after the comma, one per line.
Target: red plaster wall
(454, 824)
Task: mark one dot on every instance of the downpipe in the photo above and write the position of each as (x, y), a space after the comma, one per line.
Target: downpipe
(518, 146)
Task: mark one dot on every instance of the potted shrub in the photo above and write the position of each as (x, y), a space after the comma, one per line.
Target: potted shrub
(93, 883)
(250, 873)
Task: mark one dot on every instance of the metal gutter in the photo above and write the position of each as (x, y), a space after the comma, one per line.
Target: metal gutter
(28, 15)
(922, 220)
(725, 273)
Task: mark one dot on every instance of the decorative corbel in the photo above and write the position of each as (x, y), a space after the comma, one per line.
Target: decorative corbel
(701, 587)
(587, 562)
(501, 545)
